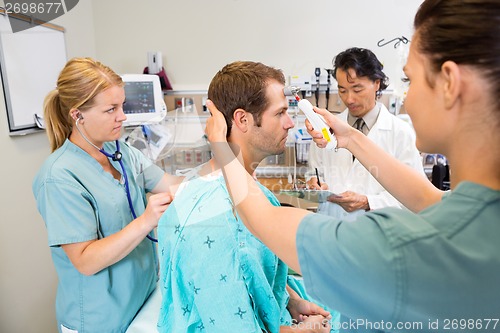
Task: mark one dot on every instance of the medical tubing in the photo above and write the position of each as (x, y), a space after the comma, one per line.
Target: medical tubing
(129, 198)
(117, 157)
(148, 142)
(327, 94)
(317, 72)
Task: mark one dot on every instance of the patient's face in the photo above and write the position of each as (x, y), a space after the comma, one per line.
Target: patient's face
(270, 137)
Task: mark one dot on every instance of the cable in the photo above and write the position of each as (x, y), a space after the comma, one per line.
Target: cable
(127, 190)
(317, 72)
(329, 82)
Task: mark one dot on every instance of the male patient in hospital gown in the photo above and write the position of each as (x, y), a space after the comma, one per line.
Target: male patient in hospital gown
(215, 275)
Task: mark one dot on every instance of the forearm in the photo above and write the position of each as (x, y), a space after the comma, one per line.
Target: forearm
(168, 184)
(274, 226)
(381, 200)
(403, 182)
(93, 256)
(292, 293)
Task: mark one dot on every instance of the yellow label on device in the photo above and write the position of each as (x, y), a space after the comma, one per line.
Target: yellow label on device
(326, 135)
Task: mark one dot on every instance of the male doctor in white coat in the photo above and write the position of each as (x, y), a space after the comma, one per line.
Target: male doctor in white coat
(360, 83)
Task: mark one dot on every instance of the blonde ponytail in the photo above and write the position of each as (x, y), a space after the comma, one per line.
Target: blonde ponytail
(79, 82)
(58, 123)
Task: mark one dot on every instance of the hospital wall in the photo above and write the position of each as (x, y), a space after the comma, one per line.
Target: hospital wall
(27, 276)
(196, 38)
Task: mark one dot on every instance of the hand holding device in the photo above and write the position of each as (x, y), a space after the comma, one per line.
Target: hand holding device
(318, 123)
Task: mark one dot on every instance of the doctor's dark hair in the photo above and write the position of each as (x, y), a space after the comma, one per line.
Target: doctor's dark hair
(364, 63)
(466, 32)
(79, 82)
(242, 85)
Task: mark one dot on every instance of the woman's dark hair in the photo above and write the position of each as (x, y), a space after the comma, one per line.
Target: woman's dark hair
(365, 63)
(466, 32)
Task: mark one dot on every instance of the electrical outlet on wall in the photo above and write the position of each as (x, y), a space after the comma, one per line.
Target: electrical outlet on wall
(185, 104)
(155, 62)
(204, 103)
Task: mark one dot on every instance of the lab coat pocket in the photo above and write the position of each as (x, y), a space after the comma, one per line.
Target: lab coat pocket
(226, 308)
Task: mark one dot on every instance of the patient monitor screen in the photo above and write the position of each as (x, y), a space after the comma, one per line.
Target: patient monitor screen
(139, 98)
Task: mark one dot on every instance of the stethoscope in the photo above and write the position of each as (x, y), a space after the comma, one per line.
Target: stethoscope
(117, 157)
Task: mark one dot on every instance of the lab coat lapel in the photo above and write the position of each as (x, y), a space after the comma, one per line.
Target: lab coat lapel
(346, 158)
(382, 125)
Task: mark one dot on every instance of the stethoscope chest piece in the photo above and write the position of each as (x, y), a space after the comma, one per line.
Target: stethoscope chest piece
(117, 156)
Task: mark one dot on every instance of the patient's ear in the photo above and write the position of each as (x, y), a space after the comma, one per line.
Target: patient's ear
(242, 120)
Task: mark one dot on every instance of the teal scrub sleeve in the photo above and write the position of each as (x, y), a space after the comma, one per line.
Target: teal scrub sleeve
(66, 207)
(349, 266)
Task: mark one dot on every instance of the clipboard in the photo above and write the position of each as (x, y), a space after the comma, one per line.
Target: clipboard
(316, 196)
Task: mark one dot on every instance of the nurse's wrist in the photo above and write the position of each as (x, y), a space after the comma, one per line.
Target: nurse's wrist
(145, 224)
(355, 143)
(224, 153)
(292, 293)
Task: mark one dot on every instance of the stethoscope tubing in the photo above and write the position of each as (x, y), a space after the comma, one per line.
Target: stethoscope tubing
(117, 156)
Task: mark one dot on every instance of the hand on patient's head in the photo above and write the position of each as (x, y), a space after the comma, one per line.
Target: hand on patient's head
(216, 128)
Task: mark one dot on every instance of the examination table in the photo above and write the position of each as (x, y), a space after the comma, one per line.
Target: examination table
(147, 318)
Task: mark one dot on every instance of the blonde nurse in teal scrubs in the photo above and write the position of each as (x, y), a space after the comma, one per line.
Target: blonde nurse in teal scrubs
(106, 266)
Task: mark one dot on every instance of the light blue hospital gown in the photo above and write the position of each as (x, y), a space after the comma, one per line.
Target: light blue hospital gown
(215, 276)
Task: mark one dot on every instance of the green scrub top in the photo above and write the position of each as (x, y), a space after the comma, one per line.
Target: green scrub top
(79, 201)
(392, 270)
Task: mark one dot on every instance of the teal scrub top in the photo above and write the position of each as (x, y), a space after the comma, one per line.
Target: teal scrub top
(392, 270)
(215, 276)
(79, 202)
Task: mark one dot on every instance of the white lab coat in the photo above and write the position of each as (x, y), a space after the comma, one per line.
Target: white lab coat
(338, 170)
